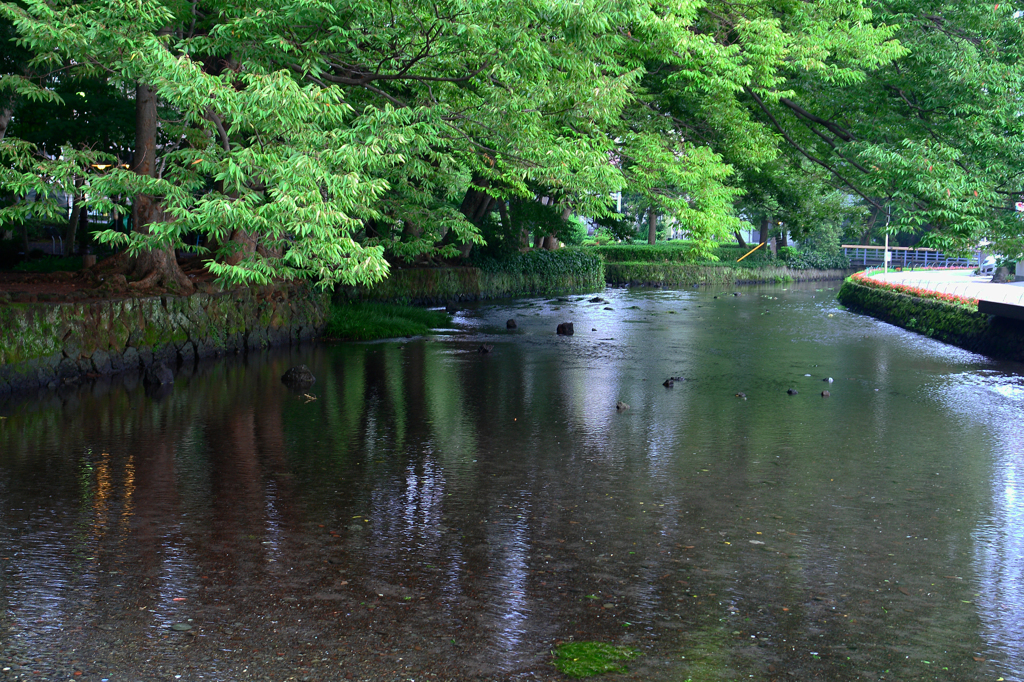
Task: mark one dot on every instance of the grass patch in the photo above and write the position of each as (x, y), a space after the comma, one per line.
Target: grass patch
(586, 659)
(369, 321)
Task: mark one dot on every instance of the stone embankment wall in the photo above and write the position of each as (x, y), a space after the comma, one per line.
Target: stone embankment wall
(45, 344)
(996, 337)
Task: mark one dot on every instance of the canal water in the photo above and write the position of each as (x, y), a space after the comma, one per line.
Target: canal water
(427, 511)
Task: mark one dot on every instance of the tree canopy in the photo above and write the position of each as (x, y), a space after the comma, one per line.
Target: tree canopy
(301, 138)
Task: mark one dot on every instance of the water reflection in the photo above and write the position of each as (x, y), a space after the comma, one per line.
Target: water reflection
(998, 541)
(429, 509)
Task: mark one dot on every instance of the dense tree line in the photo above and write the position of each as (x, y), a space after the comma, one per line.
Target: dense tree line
(301, 138)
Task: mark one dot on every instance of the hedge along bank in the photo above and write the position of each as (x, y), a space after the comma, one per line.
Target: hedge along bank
(667, 265)
(687, 274)
(534, 273)
(946, 317)
(44, 344)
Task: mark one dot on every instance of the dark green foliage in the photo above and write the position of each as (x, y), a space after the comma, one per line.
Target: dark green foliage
(586, 659)
(361, 321)
(728, 256)
(536, 272)
(50, 264)
(10, 252)
(575, 263)
(688, 274)
(809, 260)
(541, 272)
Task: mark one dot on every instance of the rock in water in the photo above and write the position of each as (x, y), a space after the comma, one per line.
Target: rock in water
(485, 348)
(511, 324)
(451, 308)
(158, 374)
(620, 406)
(668, 383)
(565, 329)
(792, 391)
(825, 394)
(298, 376)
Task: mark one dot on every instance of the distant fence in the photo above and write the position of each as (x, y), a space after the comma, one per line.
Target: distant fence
(903, 257)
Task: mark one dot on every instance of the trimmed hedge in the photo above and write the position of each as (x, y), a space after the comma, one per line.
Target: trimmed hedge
(534, 273)
(688, 274)
(954, 324)
(728, 255)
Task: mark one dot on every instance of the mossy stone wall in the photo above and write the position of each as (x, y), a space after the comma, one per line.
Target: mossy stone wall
(46, 343)
(997, 337)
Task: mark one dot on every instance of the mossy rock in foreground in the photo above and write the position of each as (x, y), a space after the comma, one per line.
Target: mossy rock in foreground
(586, 659)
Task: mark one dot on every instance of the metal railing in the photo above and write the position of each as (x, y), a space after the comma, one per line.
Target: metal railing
(904, 257)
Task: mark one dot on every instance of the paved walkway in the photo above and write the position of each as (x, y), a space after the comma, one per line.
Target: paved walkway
(957, 282)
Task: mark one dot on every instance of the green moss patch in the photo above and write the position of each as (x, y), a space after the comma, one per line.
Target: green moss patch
(368, 321)
(586, 659)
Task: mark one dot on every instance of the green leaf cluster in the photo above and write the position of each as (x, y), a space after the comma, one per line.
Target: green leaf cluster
(320, 140)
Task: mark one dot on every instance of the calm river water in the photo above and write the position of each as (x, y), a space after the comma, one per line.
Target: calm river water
(428, 512)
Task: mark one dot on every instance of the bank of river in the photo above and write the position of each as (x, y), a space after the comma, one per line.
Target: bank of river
(427, 511)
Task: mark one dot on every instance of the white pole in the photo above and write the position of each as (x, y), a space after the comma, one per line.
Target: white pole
(885, 258)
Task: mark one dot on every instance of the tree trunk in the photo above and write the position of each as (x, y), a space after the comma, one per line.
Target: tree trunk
(538, 242)
(762, 235)
(550, 243)
(6, 114)
(652, 226)
(740, 240)
(783, 237)
(76, 213)
(157, 268)
(475, 206)
(83, 230)
(242, 244)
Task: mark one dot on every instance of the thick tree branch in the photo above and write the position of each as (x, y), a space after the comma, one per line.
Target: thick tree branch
(218, 123)
(836, 129)
(807, 154)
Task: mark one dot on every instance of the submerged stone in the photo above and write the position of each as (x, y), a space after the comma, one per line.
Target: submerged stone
(298, 376)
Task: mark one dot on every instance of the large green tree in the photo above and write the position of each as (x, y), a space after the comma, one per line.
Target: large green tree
(306, 139)
(931, 138)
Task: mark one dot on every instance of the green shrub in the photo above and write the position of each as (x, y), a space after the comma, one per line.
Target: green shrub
(368, 321)
(540, 272)
(812, 260)
(10, 252)
(50, 264)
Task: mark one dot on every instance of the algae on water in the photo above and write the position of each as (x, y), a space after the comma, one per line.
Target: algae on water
(586, 659)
